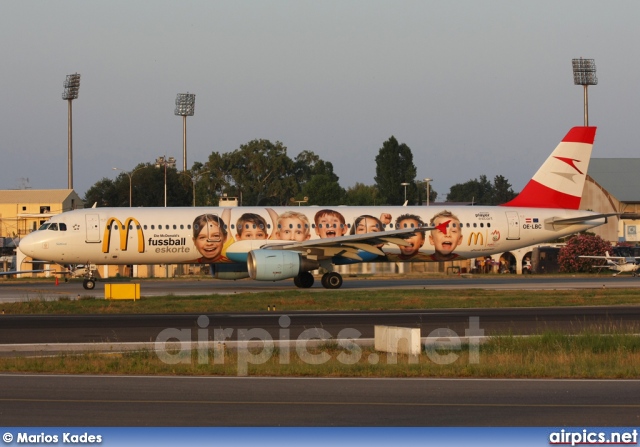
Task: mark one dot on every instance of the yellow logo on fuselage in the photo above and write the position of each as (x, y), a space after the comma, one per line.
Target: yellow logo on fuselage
(477, 237)
(123, 231)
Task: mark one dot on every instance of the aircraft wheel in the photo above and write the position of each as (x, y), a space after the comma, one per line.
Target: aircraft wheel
(332, 280)
(305, 280)
(296, 281)
(89, 284)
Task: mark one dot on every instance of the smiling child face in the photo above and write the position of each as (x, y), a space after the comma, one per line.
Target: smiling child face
(416, 241)
(330, 226)
(210, 241)
(446, 242)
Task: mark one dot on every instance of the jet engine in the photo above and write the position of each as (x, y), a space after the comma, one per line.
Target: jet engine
(274, 265)
(229, 271)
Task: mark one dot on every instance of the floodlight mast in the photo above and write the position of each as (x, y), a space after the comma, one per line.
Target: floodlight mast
(584, 74)
(71, 89)
(185, 106)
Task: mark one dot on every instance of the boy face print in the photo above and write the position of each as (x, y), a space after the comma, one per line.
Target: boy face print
(416, 241)
(445, 242)
(292, 229)
(330, 226)
(251, 231)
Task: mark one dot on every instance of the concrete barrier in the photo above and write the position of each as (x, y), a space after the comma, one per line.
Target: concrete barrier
(397, 340)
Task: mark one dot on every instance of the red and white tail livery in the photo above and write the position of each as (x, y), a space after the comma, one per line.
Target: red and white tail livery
(270, 244)
(560, 180)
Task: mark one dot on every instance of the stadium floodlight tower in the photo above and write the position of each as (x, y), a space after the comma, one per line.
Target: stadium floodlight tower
(185, 106)
(71, 89)
(584, 74)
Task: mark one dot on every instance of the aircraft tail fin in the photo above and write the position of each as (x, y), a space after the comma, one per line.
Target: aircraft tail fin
(560, 180)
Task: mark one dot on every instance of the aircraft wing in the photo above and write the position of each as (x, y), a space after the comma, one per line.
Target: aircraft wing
(579, 219)
(611, 258)
(350, 247)
(18, 272)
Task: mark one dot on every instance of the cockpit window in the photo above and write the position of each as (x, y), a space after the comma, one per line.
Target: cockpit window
(53, 226)
(44, 226)
(63, 227)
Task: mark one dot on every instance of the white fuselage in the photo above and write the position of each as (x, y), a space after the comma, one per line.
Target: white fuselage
(166, 235)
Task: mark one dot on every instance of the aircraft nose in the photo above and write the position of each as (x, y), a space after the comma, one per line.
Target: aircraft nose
(28, 245)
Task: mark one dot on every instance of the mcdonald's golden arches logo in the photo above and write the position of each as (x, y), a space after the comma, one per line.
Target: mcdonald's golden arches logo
(123, 231)
(476, 237)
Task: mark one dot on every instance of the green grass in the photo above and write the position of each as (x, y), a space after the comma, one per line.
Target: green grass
(339, 300)
(549, 355)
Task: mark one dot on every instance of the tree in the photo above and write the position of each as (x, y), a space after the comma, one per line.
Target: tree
(482, 192)
(502, 191)
(103, 193)
(317, 180)
(361, 195)
(323, 190)
(260, 172)
(394, 165)
(585, 245)
(147, 188)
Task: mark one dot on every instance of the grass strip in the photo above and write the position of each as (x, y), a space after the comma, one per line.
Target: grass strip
(550, 355)
(338, 300)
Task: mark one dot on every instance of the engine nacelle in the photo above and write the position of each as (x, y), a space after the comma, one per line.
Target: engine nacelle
(274, 265)
(229, 271)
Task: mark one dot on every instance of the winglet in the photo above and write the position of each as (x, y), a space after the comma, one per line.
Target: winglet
(560, 180)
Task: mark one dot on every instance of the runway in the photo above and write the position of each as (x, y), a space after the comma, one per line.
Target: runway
(96, 401)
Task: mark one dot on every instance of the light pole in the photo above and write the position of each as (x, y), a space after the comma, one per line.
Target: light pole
(405, 191)
(130, 175)
(185, 106)
(584, 74)
(71, 89)
(194, 178)
(427, 181)
(164, 161)
(299, 202)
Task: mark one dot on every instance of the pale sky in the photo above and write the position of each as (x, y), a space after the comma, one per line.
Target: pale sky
(472, 87)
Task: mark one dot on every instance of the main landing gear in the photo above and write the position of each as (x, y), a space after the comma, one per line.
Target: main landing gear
(331, 280)
(89, 283)
(304, 280)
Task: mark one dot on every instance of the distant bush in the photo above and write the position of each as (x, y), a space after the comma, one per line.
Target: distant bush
(582, 245)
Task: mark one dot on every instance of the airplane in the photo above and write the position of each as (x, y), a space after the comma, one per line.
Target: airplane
(618, 264)
(272, 244)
